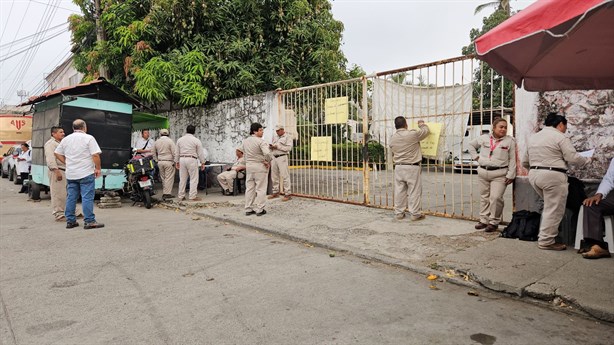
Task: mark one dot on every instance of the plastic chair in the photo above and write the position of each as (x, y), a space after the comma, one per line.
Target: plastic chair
(609, 230)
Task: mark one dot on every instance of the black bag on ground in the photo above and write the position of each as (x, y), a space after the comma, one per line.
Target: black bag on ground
(524, 226)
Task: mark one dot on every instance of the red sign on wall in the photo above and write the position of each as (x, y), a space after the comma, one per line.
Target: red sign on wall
(19, 124)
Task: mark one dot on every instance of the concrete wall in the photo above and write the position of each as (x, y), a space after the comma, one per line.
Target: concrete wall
(223, 126)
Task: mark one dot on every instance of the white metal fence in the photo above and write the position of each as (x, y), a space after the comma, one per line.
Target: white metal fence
(341, 133)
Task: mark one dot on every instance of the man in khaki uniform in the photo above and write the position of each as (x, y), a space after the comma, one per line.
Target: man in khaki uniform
(164, 153)
(257, 159)
(497, 169)
(57, 175)
(227, 178)
(407, 156)
(188, 152)
(280, 149)
(548, 153)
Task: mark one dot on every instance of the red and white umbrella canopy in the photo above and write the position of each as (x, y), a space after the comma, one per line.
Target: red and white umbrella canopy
(554, 45)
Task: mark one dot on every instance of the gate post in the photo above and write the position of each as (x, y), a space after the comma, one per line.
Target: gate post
(365, 141)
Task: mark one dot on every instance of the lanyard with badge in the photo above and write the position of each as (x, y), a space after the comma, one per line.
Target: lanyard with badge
(493, 146)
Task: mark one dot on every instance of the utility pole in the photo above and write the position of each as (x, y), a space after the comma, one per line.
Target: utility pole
(100, 37)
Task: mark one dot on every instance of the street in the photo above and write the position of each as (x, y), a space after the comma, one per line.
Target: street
(164, 276)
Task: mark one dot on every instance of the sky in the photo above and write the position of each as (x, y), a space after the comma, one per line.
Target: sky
(379, 35)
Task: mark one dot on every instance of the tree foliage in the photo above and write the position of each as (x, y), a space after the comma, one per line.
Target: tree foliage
(195, 52)
(487, 82)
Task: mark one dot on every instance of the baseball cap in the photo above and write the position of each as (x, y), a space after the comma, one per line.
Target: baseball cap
(164, 131)
(278, 127)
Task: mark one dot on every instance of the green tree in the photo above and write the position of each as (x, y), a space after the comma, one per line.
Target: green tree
(487, 82)
(195, 52)
(501, 5)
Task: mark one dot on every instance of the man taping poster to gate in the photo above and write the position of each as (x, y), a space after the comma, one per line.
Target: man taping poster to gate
(430, 144)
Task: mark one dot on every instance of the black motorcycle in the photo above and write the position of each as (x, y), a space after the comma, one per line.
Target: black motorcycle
(140, 184)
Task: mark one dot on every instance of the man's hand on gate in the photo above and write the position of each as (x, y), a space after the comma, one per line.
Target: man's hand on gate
(202, 167)
(593, 200)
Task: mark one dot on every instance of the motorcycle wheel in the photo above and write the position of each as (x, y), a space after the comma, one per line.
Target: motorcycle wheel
(147, 195)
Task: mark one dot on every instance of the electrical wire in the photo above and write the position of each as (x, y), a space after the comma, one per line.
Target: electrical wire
(19, 40)
(26, 49)
(7, 24)
(62, 8)
(43, 83)
(36, 41)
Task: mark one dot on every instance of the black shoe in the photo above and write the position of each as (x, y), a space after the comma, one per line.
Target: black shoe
(70, 225)
(249, 213)
(93, 225)
(261, 213)
(167, 196)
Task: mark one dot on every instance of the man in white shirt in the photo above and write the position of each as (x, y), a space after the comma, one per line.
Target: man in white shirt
(144, 146)
(81, 154)
(599, 205)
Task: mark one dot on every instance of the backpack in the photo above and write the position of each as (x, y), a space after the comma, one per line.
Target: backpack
(524, 226)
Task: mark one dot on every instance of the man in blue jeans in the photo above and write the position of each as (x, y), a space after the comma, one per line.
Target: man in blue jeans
(81, 154)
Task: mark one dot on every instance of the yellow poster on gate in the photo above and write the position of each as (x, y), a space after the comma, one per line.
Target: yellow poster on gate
(322, 149)
(336, 110)
(430, 144)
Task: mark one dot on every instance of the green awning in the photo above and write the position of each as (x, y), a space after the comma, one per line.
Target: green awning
(141, 120)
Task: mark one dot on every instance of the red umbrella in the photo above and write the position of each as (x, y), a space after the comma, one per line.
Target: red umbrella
(554, 45)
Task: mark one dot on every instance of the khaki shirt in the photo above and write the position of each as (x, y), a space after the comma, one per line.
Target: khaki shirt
(256, 152)
(164, 149)
(551, 148)
(405, 145)
(189, 146)
(240, 163)
(52, 162)
(284, 145)
(503, 155)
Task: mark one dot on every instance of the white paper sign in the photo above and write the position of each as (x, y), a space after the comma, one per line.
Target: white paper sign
(587, 154)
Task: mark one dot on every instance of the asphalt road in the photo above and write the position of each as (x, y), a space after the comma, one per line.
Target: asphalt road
(166, 277)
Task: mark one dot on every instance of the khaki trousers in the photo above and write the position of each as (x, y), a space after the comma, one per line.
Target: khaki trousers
(58, 193)
(408, 189)
(188, 169)
(492, 187)
(279, 170)
(552, 188)
(167, 175)
(255, 187)
(226, 179)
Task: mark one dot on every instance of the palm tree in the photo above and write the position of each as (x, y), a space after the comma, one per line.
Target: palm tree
(501, 5)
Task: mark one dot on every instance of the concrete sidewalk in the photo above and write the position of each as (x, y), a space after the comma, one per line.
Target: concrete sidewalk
(450, 246)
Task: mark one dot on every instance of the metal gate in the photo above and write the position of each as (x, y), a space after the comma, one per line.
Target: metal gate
(341, 131)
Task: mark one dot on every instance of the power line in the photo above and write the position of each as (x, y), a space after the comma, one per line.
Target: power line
(30, 36)
(19, 28)
(7, 24)
(39, 87)
(3, 58)
(62, 8)
(36, 41)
